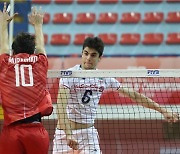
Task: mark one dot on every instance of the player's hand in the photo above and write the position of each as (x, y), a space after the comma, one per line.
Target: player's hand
(36, 16)
(171, 117)
(72, 143)
(5, 18)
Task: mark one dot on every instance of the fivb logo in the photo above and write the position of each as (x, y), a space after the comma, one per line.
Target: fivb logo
(153, 72)
(66, 73)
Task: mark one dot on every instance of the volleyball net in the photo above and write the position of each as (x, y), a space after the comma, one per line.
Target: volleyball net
(123, 125)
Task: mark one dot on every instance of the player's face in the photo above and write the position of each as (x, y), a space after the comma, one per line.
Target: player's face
(90, 58)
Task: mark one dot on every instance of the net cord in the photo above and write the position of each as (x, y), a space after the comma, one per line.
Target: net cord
(115, 73)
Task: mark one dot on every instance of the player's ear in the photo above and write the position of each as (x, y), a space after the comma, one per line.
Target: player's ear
(100, 58)
(13, 52)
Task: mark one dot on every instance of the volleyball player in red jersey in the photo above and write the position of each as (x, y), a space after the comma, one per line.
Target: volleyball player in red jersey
(23, 88)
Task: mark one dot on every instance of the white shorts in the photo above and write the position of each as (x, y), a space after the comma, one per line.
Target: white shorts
(88, 140)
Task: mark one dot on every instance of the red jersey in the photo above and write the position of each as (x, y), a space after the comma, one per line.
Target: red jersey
(23, 86)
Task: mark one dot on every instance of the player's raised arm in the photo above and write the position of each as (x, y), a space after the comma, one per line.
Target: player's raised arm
(36, 20)
(149, 103)
(63, 120)
(4, 20)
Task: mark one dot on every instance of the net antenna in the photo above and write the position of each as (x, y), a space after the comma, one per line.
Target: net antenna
(10, 9)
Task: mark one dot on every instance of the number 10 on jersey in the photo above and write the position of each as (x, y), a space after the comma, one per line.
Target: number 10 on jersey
(20, 75)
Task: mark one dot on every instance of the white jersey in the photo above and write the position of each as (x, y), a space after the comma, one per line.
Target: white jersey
(85, 94)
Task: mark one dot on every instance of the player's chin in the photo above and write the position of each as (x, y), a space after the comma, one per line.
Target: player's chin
(89, 67)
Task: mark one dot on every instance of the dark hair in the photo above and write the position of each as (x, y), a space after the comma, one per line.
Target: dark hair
(95, 43)
(24, 43)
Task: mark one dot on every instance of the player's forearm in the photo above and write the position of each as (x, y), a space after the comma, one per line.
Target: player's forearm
(4, 41)
(63, 120)
(143, 100)
(148, 103)
(39, 37)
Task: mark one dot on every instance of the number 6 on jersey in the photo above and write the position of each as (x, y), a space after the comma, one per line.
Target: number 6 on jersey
(20, 73)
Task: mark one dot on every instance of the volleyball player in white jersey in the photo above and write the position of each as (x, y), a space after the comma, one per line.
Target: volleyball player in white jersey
(78, 100)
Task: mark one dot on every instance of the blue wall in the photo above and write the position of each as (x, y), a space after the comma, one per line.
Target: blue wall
(117, 49)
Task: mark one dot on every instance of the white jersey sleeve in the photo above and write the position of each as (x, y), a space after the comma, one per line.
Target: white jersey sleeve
(112, 83)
